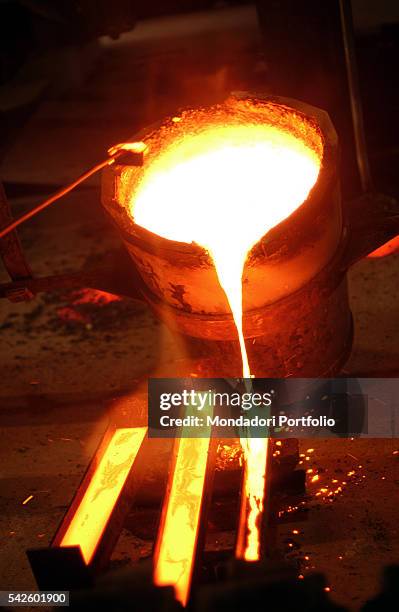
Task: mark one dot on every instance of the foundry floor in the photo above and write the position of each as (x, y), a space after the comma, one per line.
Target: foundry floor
(61, 360)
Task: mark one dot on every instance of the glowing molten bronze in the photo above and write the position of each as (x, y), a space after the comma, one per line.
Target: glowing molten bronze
(178, 535)
(224, 185)
(102, 492)
(223, 177)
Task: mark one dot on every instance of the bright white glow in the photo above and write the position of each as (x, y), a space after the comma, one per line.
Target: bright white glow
(224, 189)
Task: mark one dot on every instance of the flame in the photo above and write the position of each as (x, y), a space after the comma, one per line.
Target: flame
(178, 536)
(91, 517)
(224, 186)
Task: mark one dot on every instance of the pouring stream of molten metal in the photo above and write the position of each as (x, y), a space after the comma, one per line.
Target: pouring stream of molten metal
(224, 189)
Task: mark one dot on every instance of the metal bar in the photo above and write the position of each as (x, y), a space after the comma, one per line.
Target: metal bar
(87, 519)
(252, 526)
(116, 275)
(128, 153)
(59, 569)
(50, 283)
(305, 60)
(86, 537)
(181, 531)
(89, 530)
(10, 246)
(354, 95)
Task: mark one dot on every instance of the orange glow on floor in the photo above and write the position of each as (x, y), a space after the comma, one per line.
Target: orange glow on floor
(101, 495)
(178, 535)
